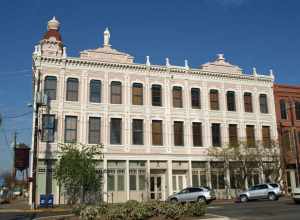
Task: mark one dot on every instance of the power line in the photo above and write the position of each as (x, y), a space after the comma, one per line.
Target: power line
(18, 116)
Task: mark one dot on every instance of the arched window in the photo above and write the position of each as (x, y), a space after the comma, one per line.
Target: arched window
(50, 86)
(116, 92)
(230, 95)
(177, 97)
(214, 99)
(195, 96)
(95, 91)
(263, 102)
(248, 102)
(156, 95)
(137, 94)
(72, 89)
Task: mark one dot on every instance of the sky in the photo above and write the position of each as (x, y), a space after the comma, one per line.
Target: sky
(251, 33)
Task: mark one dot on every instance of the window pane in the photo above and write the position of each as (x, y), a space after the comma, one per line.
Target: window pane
(266, 136)
(110, 182)
(132, 182)
(72, 89)
(71, 129)
(216, 135)
(233, 135)
(142, 181)
(197, 134)
(115, 130)
(177, 97)
(116, 92)
(263, 103)
(231, 101)
(195, 94)
(283, 112)
(297, 110)
(137, 131)
(250, 132)
(156, 95)
(178, 133)
(248, 102)
(157, 138)
(48, 128)
(121, 182)
(137, 94)
(94, 130)
(95, 91)
(214, 99)
(50, 87)
(195, 180)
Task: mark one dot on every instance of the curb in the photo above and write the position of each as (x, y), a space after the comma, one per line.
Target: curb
(54, 217)
(33, 210)
(216, 217)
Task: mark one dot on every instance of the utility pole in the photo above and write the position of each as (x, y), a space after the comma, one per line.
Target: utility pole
(14, 155)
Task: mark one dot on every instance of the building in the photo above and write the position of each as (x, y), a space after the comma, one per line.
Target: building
(287, 103)
(156, 122)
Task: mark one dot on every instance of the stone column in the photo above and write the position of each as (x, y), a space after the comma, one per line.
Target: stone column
(148, 179)
(208, 174)
(127, 180)
(170, 178)
(190, 180)
(105, 196)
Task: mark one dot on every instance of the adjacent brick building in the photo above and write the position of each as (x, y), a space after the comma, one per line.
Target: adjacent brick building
(287, 103)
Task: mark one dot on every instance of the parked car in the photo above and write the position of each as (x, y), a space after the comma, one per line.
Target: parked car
(271, 191)
(296, 194)
(193, 194)
(6, 196)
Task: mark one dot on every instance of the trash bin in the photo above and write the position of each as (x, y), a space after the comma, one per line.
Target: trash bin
(43, 201)
(50, 200)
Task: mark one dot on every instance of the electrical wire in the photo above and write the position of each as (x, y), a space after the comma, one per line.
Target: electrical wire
(17, 116)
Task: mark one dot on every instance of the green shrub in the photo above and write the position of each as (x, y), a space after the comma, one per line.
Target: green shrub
(195, 209)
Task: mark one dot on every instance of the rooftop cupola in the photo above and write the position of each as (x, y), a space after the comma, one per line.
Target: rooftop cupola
(51, 44)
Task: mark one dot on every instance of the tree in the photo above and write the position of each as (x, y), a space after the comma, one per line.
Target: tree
(77, 171)
(247, 160)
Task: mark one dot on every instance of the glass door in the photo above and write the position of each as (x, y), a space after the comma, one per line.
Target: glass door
(157, 187)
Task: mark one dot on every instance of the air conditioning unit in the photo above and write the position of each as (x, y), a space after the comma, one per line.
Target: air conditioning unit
(41, 99)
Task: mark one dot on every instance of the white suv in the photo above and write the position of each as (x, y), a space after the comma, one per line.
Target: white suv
(269, 191)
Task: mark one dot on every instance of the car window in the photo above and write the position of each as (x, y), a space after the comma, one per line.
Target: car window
(185, 191)
(263, 186)
(196, 190)
(274, 185)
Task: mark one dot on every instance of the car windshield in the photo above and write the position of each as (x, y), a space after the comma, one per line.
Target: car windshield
(274, 185)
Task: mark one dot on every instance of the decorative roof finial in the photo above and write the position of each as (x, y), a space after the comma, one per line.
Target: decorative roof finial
(53, 24)
(271, 73)
(148, 61)
(254, 71)
(168, 62)
(220, 56)
(186, 64)
(106, 38)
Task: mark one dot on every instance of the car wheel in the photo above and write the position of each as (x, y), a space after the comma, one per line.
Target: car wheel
(244, 198)
(174, 200)
(201, 199)
(272, 197)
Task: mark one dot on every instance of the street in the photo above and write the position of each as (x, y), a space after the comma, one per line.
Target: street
(258, 210)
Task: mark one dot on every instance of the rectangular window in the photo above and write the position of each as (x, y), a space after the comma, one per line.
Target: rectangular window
(297, 110)
(116, 92)
(266, 135)
(121, 182)
(214, 99)
(72, 89)
(137, 94)
(286, 140)
(178, 133)
(196, 100)
(71, 129)
(132, 182)
(248, 102)
(142, 181)
(197, 134)
(94, 130)
(263, 102)
(195, 181)
(216, 135)
(283, 112)
(231, 101)
(115, 131)
(177, 97)
(50, 87)
(156, 95)
(48, 128)
(110, 182)
(250, 133)
(137, 131)
(157, 136)
(233, 134)
(95, 91)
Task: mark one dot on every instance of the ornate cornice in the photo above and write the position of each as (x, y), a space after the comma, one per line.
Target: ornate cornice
(75, 62)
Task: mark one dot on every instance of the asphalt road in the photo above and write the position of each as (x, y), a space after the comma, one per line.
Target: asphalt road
(284, 209)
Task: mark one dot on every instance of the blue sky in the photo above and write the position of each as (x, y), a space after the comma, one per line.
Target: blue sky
(260, 33)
